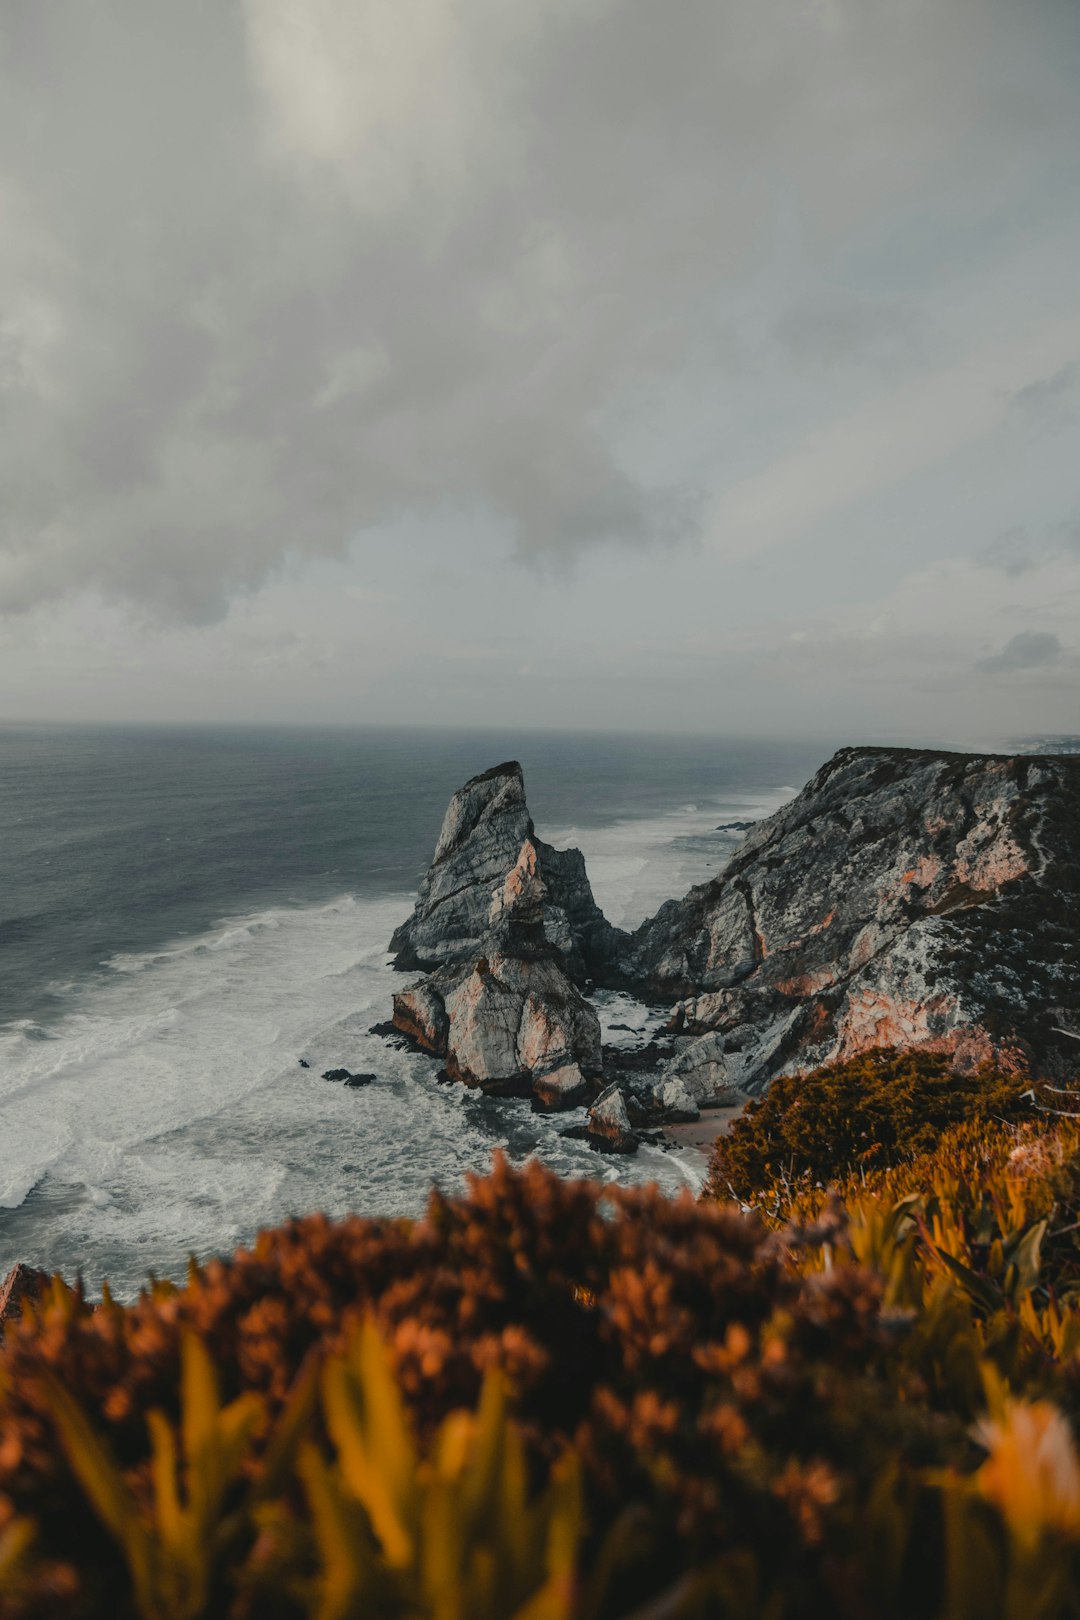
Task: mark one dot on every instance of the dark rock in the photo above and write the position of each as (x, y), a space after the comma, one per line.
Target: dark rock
(304, 1064)
(348, 1077)
(736, 826)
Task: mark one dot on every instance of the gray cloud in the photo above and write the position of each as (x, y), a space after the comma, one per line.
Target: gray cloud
(271, 274)
(1030, 649)
(1050, 402)
(834, 330)
(1017, 550)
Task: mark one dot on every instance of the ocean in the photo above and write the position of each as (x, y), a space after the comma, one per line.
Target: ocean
(185, 914)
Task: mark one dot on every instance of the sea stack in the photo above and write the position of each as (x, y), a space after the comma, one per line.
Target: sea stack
(510, 1019)
(486, 826)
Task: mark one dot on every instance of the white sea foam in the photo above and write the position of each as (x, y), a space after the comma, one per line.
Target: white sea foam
(168, 1111)
(635, 865)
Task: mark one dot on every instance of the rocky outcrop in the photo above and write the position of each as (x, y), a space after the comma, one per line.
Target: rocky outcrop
(486, 825)
(905, 897)
(609, 1129)
(511, 1022)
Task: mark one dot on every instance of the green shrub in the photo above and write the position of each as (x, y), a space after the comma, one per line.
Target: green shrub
(864, 1114)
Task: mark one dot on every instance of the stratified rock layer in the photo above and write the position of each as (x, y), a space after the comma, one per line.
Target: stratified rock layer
(904, 898)
(486, 825)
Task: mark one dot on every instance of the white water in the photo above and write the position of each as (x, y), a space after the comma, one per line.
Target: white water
(168, 1111)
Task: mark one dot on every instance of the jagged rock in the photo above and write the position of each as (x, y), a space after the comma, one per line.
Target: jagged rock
(905, 897)
(347, 1076)
(420, 1015)
(486, 826)
(21, 1283)
(609, 1128)
(566, 1087)
(513, 1020)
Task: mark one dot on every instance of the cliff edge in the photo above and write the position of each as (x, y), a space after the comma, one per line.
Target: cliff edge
(905, 898)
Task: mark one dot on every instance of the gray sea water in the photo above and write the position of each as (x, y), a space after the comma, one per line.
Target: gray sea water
(185, 914)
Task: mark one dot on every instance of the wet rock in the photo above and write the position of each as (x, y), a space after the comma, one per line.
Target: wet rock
(609, 1129)
(348, 1077)
(562, 1088)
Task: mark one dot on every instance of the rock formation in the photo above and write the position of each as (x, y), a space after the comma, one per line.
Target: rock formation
(609, 1127)
(510, 1021)
(904, 898)
(485, 827)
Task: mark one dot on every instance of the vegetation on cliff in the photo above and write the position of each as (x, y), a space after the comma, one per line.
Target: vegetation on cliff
(845, 1119)
(549, 1399)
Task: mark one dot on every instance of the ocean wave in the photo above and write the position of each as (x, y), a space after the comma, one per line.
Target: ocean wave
(168, 1111)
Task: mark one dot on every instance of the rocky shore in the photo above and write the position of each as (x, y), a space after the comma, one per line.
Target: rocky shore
(904, 898)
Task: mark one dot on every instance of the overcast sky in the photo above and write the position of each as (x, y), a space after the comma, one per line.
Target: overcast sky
(692, 364)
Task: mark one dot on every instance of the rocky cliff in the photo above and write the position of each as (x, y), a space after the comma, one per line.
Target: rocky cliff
(904, 898)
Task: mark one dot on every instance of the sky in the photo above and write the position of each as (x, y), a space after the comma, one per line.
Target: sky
(704, 365)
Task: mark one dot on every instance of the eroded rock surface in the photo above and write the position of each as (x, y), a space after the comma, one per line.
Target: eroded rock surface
(486, 825)
(512, 1021)
(905, 897)
(609, 1128)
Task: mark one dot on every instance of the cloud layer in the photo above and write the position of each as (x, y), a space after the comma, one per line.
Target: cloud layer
(283, 282)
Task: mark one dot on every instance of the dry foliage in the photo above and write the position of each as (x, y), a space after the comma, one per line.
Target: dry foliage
(547, 1401)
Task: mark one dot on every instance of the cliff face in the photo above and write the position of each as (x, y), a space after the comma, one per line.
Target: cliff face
(905, 897)
(487, 822)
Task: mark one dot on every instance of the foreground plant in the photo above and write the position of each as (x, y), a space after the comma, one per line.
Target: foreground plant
(548, 1400)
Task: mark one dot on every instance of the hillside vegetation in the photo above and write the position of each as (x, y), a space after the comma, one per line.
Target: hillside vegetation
(857, 1398)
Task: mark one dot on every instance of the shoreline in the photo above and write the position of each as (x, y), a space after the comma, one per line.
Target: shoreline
(700, 1134)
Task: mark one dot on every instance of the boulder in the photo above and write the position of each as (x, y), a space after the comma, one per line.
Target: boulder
(566, 1087)
(512, 1020)
(609, 1129)
(420, 1015)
